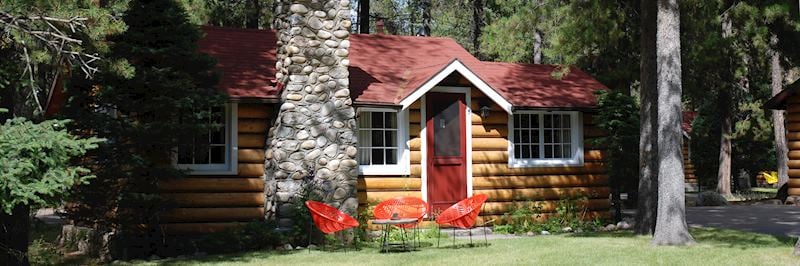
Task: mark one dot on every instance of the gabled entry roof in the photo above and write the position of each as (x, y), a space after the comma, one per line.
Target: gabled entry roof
(392, 70)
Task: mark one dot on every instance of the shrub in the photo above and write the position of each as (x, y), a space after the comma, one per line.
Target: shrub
(711, 198)
(252, 236)
(525, 218)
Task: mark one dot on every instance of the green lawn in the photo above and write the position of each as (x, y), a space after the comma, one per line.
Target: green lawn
(716, 247)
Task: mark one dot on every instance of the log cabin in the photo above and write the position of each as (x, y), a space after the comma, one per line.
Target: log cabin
(789, 100)
(434, 122)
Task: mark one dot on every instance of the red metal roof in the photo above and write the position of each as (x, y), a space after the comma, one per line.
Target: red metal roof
(384, 69)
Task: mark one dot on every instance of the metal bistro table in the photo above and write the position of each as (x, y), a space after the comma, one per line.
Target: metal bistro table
(387, 226)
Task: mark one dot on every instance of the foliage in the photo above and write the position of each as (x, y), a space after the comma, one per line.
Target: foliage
(43, 253)
(257, 235)
(145, 114)
(711, 198)
(46, 37)
(37, 163)
(751, 195)
(753, 148)
(227, 13)
(525, 217)
(618, 115)
(600, 37)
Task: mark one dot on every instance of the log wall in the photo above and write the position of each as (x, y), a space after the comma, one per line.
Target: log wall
(793, 144)
(504, 186)
(688, 169)
(207, 204)
(544, 186)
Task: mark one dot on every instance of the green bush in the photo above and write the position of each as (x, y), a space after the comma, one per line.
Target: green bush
(711, 198)
(252, 236)
(524, 218)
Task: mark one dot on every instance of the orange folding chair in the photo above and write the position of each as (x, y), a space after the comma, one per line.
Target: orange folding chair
(328, 219)
(463, 215)
(403, 207)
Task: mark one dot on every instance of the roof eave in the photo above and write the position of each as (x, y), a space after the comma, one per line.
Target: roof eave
(456, 66)
(778, 102)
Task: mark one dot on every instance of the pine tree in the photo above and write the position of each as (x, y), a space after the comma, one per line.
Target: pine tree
(671, 228)
(145, 114)
(37, 169)
(647, 204)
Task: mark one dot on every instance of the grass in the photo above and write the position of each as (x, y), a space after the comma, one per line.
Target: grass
(753, 194)
(715, 247)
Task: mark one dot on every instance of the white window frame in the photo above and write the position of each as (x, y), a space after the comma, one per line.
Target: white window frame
(403, 165)
(230, 167)
(576, 124)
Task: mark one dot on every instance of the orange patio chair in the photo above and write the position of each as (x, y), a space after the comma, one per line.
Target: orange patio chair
(462, 215)
(328, 219)
(403, 207)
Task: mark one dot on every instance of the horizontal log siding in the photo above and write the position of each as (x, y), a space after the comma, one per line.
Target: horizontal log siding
(207, 204)
(688, 168)
(793, 141)
(544, 186)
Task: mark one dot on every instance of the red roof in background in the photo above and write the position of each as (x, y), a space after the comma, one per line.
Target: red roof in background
(384, 69)
(688, 118)
(245, 60)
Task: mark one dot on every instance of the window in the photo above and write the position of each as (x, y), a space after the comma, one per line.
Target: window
(381, 141)
(212, 151)
(545, 138)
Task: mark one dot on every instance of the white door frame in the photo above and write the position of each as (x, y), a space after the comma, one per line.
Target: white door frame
(467, 91)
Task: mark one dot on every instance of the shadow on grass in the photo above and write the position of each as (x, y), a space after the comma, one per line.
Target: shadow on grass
(715, 237)
(466, 245)
(738, 239)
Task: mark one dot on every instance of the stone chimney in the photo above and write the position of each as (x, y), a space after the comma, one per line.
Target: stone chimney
(311, 147)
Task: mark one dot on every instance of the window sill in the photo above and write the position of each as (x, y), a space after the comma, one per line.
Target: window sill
(545, 163)
(383, 170)
(221, 171)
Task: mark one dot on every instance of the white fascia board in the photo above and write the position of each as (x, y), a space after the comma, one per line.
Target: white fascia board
(456, 65)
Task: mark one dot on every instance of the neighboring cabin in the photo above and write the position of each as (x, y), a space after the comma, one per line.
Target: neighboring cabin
(789, 100)
(690, 183)
(510, 131)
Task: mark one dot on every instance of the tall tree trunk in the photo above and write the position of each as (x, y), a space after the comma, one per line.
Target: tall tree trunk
(725, 148)
(363, 16)
(778, 118)
(648, 148)
(14, 236)
(477, 25)
(671, 228)
(538, 45)
(426, 19)
(254, 14)
(311, 148)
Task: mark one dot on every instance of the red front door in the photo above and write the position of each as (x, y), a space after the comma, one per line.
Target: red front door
(446, 149)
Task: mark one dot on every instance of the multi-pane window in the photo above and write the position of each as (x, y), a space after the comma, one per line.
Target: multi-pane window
(209, 148)
(543, 136)
(377, 137)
